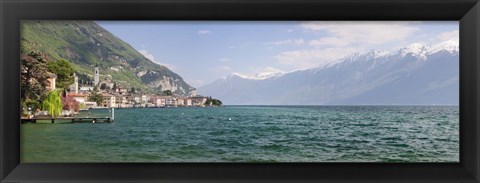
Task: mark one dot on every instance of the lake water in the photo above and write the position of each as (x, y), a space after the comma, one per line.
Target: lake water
(252, 134)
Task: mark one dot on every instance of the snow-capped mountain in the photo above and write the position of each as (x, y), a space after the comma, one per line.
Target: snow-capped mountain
(258, 76)
(416, 74)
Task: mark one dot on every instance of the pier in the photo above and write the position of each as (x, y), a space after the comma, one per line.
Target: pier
(74, 119)
(69, 119)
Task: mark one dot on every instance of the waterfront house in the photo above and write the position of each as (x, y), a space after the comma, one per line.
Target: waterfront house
(198, 101)
(131, 99)
(157, 101)
(180, 101)
(51, 81)
(188, 102)
(120, 101)
(184, 102)
(139, 105)
(145, 98)
(90, 104)
(108, 100)
(149, 104)
(161, 101)
(80, 98)
(136, 99)
(168, 101)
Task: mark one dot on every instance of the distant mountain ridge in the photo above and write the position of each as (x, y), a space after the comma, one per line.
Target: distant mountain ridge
(417, 74)
(86, 44)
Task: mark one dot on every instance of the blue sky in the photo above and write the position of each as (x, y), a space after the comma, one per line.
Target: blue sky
(203, 51)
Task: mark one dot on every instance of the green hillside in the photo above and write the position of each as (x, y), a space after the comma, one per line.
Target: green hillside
(86, 44)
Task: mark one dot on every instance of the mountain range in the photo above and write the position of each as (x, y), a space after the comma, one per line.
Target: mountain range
(85, 44)
(415, 75)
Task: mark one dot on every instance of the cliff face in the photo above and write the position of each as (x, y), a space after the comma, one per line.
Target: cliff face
(86, 44)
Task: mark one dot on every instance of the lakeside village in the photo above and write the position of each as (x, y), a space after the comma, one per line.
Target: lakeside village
(69, 99)
(113, 96)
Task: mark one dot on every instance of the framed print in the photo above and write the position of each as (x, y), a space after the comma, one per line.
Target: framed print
(202, 91)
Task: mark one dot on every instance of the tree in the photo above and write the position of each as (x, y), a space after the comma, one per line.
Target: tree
(69, 103)
(95, 96)
(215, 102)
(33, 77)
(132, 90)
(167, 92)
(53, 103)
(64, 71)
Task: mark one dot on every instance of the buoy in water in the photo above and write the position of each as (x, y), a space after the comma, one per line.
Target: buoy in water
(229, 119)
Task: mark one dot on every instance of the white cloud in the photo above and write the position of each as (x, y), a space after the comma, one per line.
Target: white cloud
(204, 32)
(449, 41)
(288, 42)
(329, 41)
(222, 69)
(224, 59)
(450, 35)
(338, 39)
(150, 56)
(358, 33)
(308, 58)
(267, 69)
(260, 73)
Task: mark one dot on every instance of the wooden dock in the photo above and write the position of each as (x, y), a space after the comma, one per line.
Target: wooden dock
(74, 119)
(69, 119)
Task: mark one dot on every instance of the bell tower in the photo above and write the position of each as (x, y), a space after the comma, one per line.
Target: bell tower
(75, 84)
(96, 77)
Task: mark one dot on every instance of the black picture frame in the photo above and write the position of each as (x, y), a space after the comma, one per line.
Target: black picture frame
(465, 11)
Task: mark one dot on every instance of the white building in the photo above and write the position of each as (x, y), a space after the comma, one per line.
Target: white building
(180, 101)
(167, 101)
(108, 100)
(80, 98)
(170, 101)
(86, 88)
(52, 80)
(91, 104)
(160, 102)
(198, 101)
(74, 87)
(144, 98)
(121, 101)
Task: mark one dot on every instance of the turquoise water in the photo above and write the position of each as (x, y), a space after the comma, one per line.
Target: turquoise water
(252, 134)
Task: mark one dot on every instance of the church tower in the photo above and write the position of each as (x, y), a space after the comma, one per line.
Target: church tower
(97, 76)
(75, 84)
